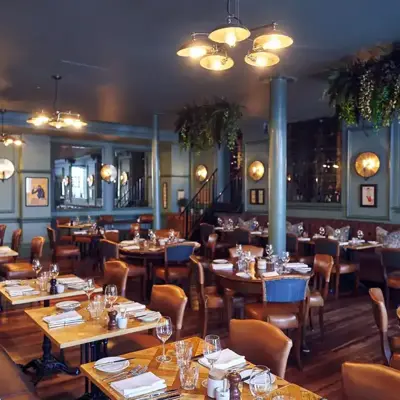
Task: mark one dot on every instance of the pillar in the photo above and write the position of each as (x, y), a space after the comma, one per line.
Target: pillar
(155, 174)
(108, 188)
(277, 164)
(223, 170)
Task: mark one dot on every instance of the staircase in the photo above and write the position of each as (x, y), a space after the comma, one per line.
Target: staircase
(206, 202)
(133, 194)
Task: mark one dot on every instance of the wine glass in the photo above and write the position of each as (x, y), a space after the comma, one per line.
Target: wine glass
(54, 271)
(89, 287)
(212, 351)
(36, 266)
(360, 234)
(285, 258)
(164, 332)
(336, 235)
(111, 294)
(260, 382)
(322, 231)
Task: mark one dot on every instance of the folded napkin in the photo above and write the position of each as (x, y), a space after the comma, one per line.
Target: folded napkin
(127, 243)
(15, 291)
(227, 359)
(4, 249)
(80, 233)
(373, 242)
(138, 385)
(72, 280)
(66, 318)
(130, 306)
(270, 274)
(132, 247)
(147, 314)
(11, 282)
(344, 243)
(76, 286)
(297, 265)
(227, 266)
(255, 233)
(112, 230)
(303, 239)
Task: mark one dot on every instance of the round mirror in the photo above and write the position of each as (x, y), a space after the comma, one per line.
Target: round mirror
(7, 169)
(256, 170)
(109, 173)
(201, 173)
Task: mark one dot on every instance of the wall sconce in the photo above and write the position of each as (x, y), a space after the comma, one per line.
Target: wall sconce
(367, 164)
(201, 173)
(65, 181)
(256, 170)
(289, 178)
(90, 180)
(108, 173)
(124, 178)
(7, 169)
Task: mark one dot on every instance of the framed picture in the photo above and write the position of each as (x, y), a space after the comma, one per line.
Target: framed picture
(260, 196)
(36, 192)
(368, 195)
(253, 196)
(165, 195)
(180, 194)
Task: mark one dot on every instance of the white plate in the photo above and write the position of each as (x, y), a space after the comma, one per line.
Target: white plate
(68, 305)
(150, 318)
(247, 373)
(111, 368)
(243, 275)
(220, 261)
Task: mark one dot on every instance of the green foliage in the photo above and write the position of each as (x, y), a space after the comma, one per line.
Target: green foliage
(367, 90)
(201, 127)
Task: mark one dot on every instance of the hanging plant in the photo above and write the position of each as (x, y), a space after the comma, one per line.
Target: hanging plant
(367, 90)
(201, 127)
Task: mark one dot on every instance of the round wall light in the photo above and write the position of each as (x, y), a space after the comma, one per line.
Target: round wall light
(90, 180)
(7, 169)
(201, 173)
(124, 178)
(108, 173)
(367, 164)
(256, 170)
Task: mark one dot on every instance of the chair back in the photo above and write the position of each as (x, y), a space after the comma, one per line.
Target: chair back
(3, 228)
(16, 240)
(51, 234)
(285, 289)
(135, 227)
(112, 235)
(109, 251)
(116, 273)
(178, 253)
(328, 246)
(323, 265)
(171, 301)
(164, 233)
(292, 244)
(268, 344)
(198, 272)
(381, 320)
(390, 259)
(255, 251)
(63, 221)
(105, 220)
(238, 236)
(37, 244)
(370, 382)
(211, 246)
(205, 231)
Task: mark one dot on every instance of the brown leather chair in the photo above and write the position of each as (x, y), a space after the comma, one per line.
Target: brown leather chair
(210, 297)
(113, 236)
(323, 265)
(292, 246)
(209, 250)
(390, 263)
(15, 245)
(59, 252)
(23, 270)
(116, 273)
(2, 233)
(395, 361)
(388, 345)
(255, 251)
(170, 301)
(105, 220)
(164, 233)
(63, 238)
(109, 251)
(370, 382)
(135, 228)
(238, 236)
(205, 231)
(268, 344)
(14, 384)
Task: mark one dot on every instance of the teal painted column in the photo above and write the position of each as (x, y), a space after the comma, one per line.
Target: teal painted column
(108, 188)
(277, 164)
(155, 173)
(222, 164)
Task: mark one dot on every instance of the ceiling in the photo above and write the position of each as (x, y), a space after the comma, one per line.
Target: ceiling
(118, 62)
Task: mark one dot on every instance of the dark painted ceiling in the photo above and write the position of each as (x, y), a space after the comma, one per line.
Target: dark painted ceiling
(118, 61)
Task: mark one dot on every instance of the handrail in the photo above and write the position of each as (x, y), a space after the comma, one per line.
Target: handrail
(134, 187)
(229, 184)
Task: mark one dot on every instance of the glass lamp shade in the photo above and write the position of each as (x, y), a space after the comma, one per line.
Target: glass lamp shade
(39, 119)
(8, 140)
(217, 62)
(261, 59)
(108, 173)
(67, 119)
(229, 33)
(201, 173)
(367, 164)
(195, 48)
(274, 39)
(7, 169)
(256, 170)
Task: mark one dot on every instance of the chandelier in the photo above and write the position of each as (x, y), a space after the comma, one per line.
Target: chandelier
(7, 139)
(59, 119)
(211, 48)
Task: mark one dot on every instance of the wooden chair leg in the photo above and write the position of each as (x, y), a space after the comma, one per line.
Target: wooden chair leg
(387, 295)
(321, 322)
(205, 323)
(357, 282)
(337, 282)
(297, 347)
(311, 321)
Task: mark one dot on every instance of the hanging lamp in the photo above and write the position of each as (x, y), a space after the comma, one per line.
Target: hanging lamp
(198, 46)
(7, 139)
(273, 39)
(261, 59)
(218, 60)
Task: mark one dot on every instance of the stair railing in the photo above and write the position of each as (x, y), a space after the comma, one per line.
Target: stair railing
(134, 196)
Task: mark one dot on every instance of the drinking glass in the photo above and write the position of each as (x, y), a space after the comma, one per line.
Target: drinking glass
(89, 220)
(260, 382)
(36, 266)
(336, 235)
(220, 222)
(269, 250)
(111, 294)
(212, 351)
(322, 231)
(89, 287)
(184, 351)
(189, 376)
(42, 282)
(300, 230)
(54, 271)
(285, 258)
(164, 332)
(360, 234)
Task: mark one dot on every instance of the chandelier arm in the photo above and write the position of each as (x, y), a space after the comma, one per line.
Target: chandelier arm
(256, 28)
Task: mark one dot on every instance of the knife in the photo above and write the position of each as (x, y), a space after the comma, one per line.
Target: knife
(158, 395)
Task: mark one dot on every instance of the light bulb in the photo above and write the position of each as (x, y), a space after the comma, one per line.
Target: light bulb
(197, 52)
(18, 142)
(8, 141)
(217, 64)
(261, 61)
(273, 43)
(68, 121)
(230, 39)
(77, 123)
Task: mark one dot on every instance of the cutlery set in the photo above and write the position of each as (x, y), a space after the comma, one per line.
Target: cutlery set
(138, 370)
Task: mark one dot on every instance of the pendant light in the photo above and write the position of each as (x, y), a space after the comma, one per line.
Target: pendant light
(39, 119)
(261, 59)
(218, 60)
(6, 139)
(198, 46)
(273, 39)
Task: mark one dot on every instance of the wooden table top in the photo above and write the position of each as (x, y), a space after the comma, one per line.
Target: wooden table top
(6, 251)
(170, 372)
(149, 251)
(42, 296)
(89, 331)
(362, 246)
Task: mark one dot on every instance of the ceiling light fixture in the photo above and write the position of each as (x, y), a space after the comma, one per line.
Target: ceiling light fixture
(230, 33)
(7, 139)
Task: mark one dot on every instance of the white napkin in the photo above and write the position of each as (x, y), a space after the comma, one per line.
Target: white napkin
(68, 281)
(80, 233)
(15, 291)
(66, 318)
(132, 247)
(303, 239)
(255, 233)
(344, 243)
(138, 385)
(300, 267)
(270, 274)
(112, 230)
(227, 359)
(4, 249)
(130, 306)
(222, 266)
(127, 243)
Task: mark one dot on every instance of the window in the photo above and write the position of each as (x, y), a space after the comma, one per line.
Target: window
(314, 161)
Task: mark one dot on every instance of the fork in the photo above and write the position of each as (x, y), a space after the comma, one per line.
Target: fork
(117, 375)
(141, 371)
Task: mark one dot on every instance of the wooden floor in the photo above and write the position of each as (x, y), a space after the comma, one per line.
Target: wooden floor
(351, 335)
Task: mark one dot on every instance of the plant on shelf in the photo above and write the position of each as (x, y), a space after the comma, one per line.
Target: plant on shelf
(367, 90)
(182, 203)
(201, 127)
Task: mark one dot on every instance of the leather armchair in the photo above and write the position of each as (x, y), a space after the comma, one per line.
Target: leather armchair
(390, 265)
(15, 245)
(255, 251)
(116, 273)
(2, 233)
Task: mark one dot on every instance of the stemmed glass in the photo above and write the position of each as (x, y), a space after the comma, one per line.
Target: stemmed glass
(322, 231)
(336, 235)
(54, 271)
(212, 351)
(260, 382)
(239, 250)
(360, 234)
(111, 294)
(164, 332)
(300, 230)
(269, 250)
(37, 267)
(285, 258)
(89, 287)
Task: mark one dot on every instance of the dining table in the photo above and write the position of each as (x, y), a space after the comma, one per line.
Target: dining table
(170, 373)
(7, 252)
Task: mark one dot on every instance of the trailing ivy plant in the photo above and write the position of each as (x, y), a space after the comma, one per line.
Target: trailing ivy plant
(201, 127)
(367, 90)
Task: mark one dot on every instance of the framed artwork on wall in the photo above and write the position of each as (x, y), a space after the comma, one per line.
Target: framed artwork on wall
(368, 195)
(36, 192)
(165, 195)
(180, 194)
(253, 196)
(260, 196)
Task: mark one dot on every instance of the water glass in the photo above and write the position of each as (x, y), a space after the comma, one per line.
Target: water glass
(89, 287)
(43, 282)
(189, 376)
(212, 351)
(54, 271)
(184, 351)
(260, 382)
(360, 234)
(322, 231)
(111, 294)
(96, 307)
(164, 332)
